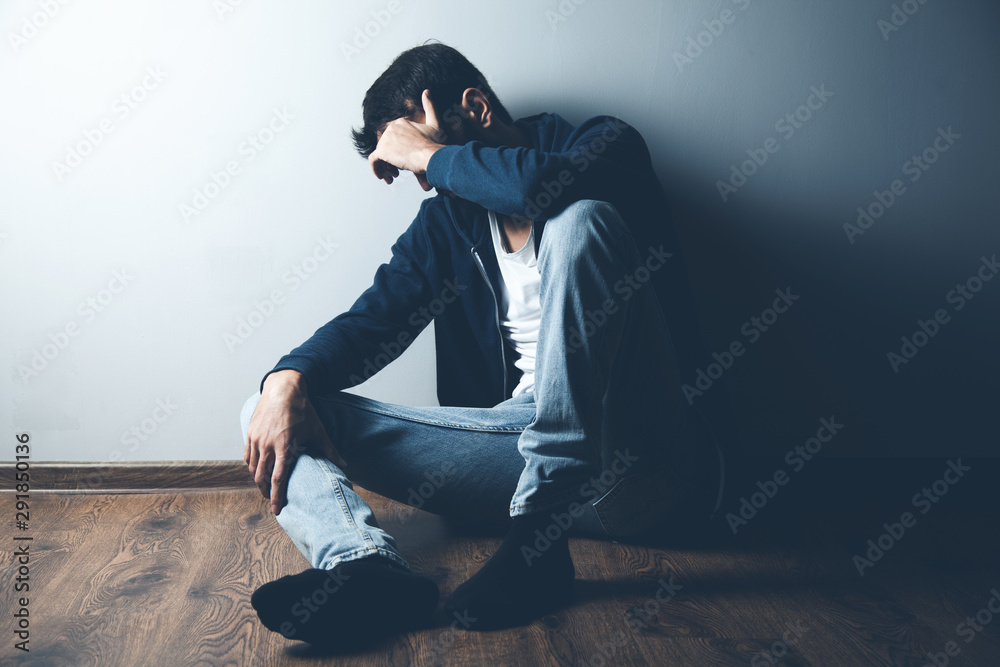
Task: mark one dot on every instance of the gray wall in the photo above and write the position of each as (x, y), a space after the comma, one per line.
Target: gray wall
(163, 333)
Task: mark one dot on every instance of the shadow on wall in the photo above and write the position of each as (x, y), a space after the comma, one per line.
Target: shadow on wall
(838, 232)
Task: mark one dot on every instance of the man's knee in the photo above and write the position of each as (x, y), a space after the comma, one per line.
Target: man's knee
(247, 413)
(580, 226)
(595, 214)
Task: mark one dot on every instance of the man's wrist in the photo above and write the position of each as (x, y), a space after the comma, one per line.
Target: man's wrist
(428, 153)
(285, 380)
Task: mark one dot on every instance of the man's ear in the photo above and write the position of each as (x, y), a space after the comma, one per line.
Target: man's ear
(476, 108)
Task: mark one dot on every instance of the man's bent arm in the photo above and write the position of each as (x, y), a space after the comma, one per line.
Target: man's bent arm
(599, 161)
(348, 349)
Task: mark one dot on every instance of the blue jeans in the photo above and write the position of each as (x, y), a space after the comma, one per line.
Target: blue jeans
(606, 442)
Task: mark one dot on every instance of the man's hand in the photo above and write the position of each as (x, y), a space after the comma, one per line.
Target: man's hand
(407, 145)
(283, 422)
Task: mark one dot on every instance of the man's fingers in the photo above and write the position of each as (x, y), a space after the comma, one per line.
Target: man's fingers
(279, 482)
(430, 115)
(382, 169)
(263, 477)
(387, 172)
(254, 460)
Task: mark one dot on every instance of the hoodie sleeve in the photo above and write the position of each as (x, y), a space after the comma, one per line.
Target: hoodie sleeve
(380, 325)
(597, 161)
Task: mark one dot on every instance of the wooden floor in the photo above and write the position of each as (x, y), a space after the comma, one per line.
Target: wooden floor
(165, 579)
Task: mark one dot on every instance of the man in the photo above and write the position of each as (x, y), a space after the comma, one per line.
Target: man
(563, 328)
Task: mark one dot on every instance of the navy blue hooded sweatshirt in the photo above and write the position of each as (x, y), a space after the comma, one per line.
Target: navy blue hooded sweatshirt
(443, 267)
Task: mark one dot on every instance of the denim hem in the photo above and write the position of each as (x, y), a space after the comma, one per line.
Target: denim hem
(366, 552)
(559, 502)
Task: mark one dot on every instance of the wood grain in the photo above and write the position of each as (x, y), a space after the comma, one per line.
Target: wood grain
(165, 578)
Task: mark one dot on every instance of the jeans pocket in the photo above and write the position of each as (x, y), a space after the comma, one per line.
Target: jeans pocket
(638, 501)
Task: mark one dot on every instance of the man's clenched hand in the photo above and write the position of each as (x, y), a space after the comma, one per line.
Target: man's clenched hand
(407, 145)
(283, 422)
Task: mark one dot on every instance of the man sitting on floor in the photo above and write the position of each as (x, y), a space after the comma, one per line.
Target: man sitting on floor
(564, 325)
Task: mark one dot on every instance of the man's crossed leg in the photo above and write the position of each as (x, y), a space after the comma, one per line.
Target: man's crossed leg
(607, 395)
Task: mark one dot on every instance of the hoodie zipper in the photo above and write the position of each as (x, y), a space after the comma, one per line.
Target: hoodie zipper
(496, 313)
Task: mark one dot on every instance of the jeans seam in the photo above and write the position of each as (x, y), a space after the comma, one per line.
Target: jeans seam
(433, 422)
(344, 505)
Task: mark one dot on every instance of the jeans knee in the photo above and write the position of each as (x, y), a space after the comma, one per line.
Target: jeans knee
(581, 225)
(585, 228)
(600, 214)
(247, 413)
(593, 208)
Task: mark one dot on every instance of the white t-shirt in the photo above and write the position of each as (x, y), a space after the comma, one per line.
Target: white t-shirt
(520, 313)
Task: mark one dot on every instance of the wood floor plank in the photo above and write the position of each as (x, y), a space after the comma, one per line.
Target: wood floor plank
(166, 578)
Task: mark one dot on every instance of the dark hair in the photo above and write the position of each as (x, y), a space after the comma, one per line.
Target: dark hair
(396, 93)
